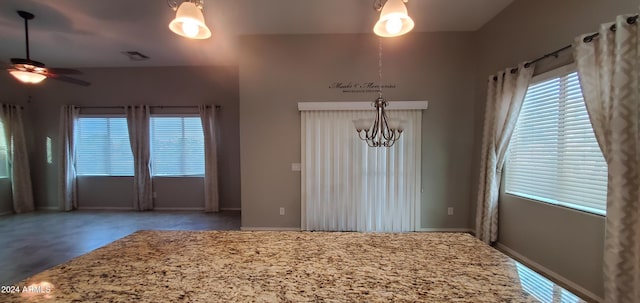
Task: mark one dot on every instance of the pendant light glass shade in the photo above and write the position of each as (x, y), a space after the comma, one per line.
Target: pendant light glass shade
(27, 77)
(189, 22)
(394, 20)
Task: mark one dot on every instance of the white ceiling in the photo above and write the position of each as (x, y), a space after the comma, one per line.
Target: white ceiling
(93, 33)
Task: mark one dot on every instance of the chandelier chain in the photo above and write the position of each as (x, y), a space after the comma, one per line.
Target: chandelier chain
(381, 131)
(380, 67)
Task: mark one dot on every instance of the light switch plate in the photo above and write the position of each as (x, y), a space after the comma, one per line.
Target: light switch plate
(296, 167)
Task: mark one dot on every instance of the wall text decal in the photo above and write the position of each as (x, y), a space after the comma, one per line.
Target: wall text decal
(360, 87)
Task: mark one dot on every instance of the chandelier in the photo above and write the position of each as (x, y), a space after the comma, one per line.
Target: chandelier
(189, 21)
(380, 131)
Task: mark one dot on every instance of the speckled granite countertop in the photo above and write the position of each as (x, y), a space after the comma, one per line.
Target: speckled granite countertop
(211, 266)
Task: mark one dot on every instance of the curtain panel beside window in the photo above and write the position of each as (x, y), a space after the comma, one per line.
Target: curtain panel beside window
(68, 188)
(138, 120)
(210, 129)
(17, 156)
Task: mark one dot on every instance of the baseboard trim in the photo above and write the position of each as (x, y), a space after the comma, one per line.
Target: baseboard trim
(103, 208)
(270, 228)
(179, 208)
(4, 213)
(49, 208)
(231, 208)
(130, 208)
(446, 230)
(548, 272)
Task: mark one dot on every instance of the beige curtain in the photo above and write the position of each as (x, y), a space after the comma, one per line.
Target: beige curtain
(138, 120)
(67, 187)
(19, 171)
(211, 196)
(609, 71)
(505, 96)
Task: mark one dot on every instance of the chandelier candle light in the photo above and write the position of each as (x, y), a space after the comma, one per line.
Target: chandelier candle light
(380, 131)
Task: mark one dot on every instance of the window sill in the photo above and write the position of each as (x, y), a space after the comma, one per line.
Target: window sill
(178, 176)
(552, 204)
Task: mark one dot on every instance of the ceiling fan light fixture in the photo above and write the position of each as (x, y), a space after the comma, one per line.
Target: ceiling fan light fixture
(30, 71)
(27, 76)
(394, 20)
(189, 22)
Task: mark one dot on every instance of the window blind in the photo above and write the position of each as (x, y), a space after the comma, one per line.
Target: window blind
(554, 156)
(4, 153)
(103, 147)
(177, 146)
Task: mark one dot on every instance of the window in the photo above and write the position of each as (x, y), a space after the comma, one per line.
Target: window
(4, 153)
(554, 156)
(103, 147)
(177, 146)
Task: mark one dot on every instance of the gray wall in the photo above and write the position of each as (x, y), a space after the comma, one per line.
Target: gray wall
(152, 86)
(567, 242)
(278, 71)
(92, 189)
(170, 192)
(5, 196)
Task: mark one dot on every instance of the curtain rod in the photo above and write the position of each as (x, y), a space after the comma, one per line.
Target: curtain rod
(155, 106)
(586, 39)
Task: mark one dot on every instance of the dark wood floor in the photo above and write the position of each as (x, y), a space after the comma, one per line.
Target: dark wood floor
(33, 242)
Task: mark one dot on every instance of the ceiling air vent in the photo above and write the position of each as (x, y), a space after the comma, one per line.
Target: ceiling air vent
(135, 56)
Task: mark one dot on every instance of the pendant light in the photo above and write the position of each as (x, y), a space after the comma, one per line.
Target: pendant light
(189, 21)
(394, 20)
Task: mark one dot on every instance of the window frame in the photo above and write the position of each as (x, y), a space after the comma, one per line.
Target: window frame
(77, 134)
(546, 76)
(151, 129)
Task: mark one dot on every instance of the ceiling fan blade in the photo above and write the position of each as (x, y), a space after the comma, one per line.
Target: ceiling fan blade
(69, 79)
(63, 71)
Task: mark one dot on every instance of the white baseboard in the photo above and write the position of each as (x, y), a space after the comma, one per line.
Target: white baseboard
(270, 228)
(446, 230)
(130, 208)
(232, 208)
(103, 208)
(179, 208)
(49, 208)
(539, 268)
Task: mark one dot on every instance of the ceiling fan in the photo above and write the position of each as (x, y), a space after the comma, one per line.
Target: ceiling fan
(31, 71)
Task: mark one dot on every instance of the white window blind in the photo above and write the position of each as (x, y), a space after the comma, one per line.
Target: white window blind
(4, 153)
(177, 146)
(103, 147)
(349, 186)
(554, 156)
